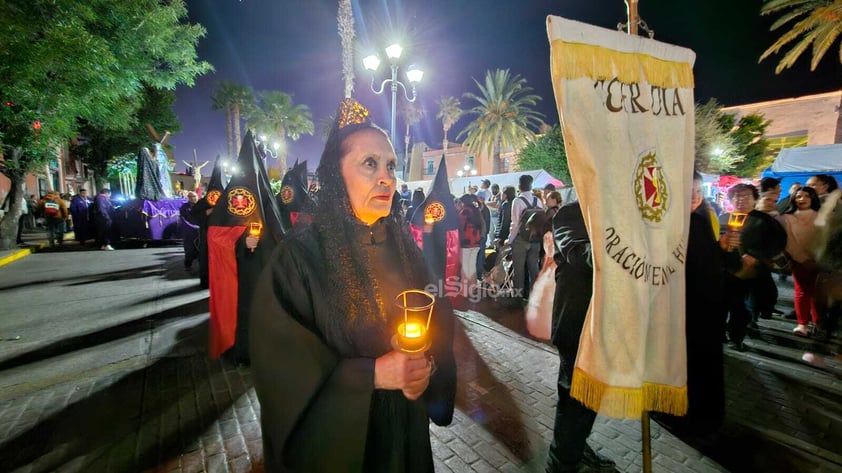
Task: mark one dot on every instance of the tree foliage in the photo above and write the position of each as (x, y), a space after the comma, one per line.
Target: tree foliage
(449, 112)
(815, 22)
(504, 117)
(68, 62)
(237, 101)
(63, 60)
(102, 145)
(276, 115)
(748, 136)
(725, 145)
(546, 152)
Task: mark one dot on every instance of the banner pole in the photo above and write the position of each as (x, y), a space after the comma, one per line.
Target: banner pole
(647, 442)
(631, 8)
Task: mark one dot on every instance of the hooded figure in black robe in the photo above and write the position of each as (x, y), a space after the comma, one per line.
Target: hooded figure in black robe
(199, 216)
(321, 325)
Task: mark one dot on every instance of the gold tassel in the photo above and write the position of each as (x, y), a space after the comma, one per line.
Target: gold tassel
(577, 60)
(627, 403)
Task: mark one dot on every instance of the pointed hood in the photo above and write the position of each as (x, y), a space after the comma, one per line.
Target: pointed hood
(294, 199)
(248, 196)
(247, 199)
(440, 244)
(215, 185)
(148, 186)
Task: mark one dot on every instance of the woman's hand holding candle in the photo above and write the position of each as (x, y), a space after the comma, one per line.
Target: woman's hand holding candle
(251, 242)
(398, 370)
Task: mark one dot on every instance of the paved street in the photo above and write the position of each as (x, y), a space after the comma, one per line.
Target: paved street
(110, 374)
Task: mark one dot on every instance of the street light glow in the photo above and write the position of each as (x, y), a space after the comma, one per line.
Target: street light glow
(371, 62)
(394, 51)
(414, 74)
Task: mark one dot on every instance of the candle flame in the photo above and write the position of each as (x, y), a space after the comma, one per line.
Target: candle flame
(413, 330)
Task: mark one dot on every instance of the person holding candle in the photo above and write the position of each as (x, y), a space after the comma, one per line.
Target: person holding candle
(762, 239)
(334, 393)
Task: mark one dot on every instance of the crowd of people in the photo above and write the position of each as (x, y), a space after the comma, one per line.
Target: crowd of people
(90, 219)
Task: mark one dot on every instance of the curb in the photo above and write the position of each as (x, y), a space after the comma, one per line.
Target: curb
(18, 254)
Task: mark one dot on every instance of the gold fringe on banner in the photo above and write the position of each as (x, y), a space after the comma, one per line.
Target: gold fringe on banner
(627, 403)
(576, 60)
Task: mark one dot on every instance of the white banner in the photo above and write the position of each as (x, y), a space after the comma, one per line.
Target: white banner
(627, 114)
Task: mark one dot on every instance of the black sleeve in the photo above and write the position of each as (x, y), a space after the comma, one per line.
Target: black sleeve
(312, 401)
(573, 247)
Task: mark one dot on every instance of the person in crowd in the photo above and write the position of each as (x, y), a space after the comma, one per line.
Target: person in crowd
(553, 204)
(471, 233)
(549, 187)
(706, 262)
(80, 210)
(103, 212)
(762, 239)
(569, 451)
(823, 184)
(405, 193)
(483, 242)
(504, 217)
(335, 394)
(24, 217)
(484, 191)
(799, 221)
(54, 210)
(785, 202)
(771, 186)
(189, 230)
(199, 216)
(417, 199)
(32, 207)
(525, 251)
(763, 294)
(539, 194)
(493, 204)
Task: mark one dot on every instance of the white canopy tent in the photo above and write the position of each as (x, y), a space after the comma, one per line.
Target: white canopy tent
(459, 185)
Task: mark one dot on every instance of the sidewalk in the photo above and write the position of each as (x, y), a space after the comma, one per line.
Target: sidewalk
(34, 242)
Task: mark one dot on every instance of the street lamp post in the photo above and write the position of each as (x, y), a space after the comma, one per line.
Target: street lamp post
(413, 75)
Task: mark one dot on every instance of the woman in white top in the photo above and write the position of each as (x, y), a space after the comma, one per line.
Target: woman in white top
(799, 222)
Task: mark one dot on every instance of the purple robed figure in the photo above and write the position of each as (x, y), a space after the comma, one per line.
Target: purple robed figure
(83, 225)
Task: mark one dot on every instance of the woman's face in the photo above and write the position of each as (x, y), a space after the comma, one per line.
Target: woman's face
(551, 202)
(368, 168)
(697, 195)
(802, 200)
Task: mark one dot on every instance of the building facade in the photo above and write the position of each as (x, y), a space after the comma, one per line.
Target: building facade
(808, 120)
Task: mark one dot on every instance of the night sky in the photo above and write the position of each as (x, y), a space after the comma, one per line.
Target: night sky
(293, 46)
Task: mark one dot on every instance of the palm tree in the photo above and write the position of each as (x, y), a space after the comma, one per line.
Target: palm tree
(281, 118)
(345, 25)
(221, 98)
(235, 99)
(819, 23)
(449, 113)
(412, 113)
(503, 116)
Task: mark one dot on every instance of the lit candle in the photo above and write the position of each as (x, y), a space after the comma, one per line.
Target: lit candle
(255, 229)
(736, 220)
(412, 330)
(411, 336)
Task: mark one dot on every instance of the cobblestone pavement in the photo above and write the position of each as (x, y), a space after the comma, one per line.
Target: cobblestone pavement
(183, 412)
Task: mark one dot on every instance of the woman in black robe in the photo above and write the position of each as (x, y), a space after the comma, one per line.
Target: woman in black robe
(334, 394)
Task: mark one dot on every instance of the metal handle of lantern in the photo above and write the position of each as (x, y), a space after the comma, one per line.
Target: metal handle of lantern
(412, 335)
(395, 83)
